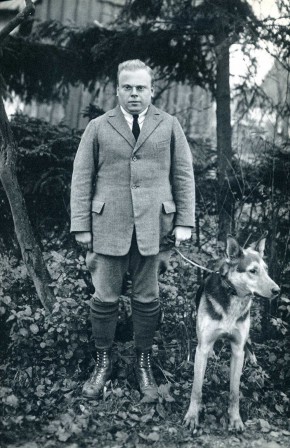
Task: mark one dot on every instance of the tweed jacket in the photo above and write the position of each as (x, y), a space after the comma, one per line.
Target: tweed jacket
(119, 184)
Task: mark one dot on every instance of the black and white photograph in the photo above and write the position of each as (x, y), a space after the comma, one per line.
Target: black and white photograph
(144, 223)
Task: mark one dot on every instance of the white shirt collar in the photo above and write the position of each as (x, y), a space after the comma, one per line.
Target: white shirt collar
(129, 117)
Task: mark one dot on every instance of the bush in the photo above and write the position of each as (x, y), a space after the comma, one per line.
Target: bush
(44, 167)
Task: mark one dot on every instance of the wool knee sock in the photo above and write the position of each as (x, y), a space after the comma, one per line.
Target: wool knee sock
(104, 317)
(145, 321)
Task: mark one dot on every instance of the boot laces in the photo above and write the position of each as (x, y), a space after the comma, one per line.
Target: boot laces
(145, 360)
(102, 362)
(145, 365)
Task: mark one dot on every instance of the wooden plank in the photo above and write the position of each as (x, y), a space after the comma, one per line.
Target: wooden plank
(69, 10)
(96, 11)
(81, 12)
(55, 9)
(48, 9)
(41, 11)
(109, 13)
(90, 11)
(71, 107)
(78, 109)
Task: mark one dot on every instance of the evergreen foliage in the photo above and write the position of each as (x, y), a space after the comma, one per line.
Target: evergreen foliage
(174, 37)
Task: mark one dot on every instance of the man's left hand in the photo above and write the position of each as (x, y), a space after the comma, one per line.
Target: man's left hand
(181, 234)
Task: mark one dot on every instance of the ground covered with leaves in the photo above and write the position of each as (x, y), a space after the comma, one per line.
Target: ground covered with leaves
(46, 359)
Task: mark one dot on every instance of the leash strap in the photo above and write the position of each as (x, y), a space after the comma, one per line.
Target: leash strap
(193, 262)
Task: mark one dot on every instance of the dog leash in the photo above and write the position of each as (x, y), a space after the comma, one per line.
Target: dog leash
(228, 284)
(171, 244)
(193, 262)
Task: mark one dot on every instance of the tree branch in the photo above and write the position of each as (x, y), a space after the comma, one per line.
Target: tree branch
(23, 15)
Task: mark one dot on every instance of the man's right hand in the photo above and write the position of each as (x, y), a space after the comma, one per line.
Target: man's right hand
(84, 239)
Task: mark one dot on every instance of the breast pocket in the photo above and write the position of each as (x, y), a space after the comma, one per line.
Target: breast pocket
(164, 144)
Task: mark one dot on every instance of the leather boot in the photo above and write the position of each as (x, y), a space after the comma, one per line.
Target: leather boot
(102, 372)
(144, 374)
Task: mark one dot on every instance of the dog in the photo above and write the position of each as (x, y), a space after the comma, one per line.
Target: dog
(224, 311)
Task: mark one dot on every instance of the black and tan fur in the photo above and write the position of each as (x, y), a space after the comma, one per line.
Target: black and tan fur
(224, 311)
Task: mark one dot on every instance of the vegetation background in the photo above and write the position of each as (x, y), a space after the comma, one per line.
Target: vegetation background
(242, 178)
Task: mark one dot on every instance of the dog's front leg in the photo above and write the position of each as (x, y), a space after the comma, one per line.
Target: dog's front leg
(191, 418)
(237, 361)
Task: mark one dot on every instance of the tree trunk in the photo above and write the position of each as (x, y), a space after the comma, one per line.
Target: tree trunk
(224, 135)
(30, 250)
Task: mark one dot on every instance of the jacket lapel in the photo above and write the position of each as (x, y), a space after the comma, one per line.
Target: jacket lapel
(118, 121)
(152, 120)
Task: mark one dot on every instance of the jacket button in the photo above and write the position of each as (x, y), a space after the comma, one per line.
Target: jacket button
(134, 159)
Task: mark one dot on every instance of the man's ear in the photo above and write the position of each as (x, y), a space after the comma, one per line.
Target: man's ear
(117, 91)
(233, 248)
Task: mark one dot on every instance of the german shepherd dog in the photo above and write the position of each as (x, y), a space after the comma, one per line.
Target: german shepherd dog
(224, 311)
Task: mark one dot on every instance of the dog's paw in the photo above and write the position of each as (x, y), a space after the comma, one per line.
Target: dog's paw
(236, 424)
(191, 420)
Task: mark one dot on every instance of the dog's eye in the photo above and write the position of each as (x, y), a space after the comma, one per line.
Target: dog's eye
(253, 271)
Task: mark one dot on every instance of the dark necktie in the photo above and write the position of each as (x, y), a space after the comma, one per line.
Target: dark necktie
(136, 128)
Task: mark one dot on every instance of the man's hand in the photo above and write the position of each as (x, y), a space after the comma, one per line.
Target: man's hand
(181, 234)
(84, 239)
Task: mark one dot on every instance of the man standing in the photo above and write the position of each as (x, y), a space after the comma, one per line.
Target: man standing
(132, 187)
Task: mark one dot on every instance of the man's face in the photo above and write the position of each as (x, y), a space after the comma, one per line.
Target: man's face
(135, 90)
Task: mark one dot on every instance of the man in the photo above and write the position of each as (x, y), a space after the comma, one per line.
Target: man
(132, 187)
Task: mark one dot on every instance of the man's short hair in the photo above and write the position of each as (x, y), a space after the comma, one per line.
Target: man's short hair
(135, 64)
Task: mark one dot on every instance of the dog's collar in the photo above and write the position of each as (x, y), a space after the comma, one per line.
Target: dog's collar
(228, 285)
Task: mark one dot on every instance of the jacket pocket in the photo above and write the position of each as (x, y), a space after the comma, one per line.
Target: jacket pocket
(163, 144)
(97, 206)
(169, 207)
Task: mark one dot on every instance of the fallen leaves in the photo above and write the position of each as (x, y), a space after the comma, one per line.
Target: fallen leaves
(11, 400)
(264, 425)
(50, 358)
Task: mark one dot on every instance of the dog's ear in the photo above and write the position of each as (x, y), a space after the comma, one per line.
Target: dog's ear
(233, 248)
(259, 245)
